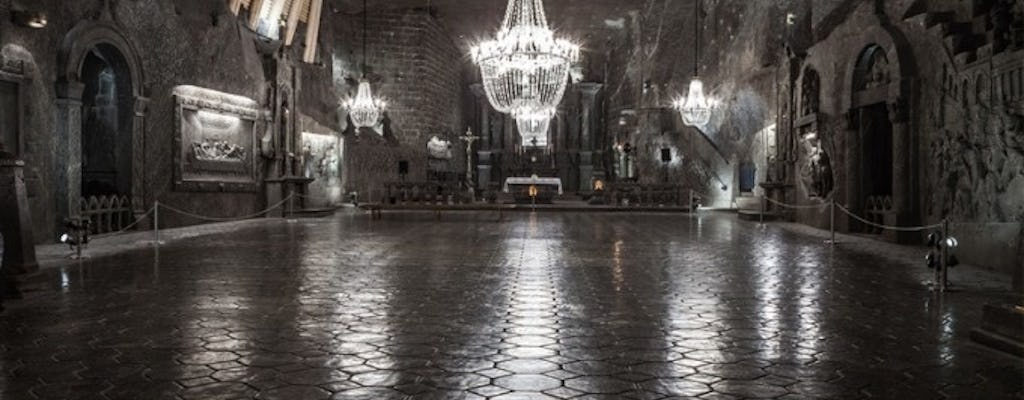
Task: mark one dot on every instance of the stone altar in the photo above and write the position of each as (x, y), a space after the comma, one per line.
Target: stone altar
(533, 190)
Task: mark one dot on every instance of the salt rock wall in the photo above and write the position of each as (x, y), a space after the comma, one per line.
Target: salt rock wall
(415, 66)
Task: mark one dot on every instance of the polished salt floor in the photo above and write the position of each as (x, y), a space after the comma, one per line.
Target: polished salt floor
(612, 306)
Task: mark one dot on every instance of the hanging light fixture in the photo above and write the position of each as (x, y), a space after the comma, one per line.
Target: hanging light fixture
(695, 108)
(364, 109)
(533, 127)
(525, 68)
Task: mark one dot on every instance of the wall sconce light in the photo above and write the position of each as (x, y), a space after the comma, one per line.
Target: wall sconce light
(34, 19)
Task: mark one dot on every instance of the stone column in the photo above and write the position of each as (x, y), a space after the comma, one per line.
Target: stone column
(139, 159)
(483, 165)
(902, 196)
(68, 152)
(589, 91)
(15, 218)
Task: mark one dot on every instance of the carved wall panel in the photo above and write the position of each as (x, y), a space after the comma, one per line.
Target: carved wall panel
(321, 160)
(215, 141)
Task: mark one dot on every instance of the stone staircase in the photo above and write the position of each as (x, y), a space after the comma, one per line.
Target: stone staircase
(968, 40)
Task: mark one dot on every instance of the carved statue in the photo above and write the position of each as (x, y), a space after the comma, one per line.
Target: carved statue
(817, 172)
(878, 70)
(439, 149)
(267, 143)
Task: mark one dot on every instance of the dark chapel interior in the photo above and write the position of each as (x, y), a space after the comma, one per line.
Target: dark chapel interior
(511, 199)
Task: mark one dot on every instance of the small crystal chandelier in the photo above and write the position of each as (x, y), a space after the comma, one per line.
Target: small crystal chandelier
(525, 68)
(364, 109)
(533, 127)
(695, 109)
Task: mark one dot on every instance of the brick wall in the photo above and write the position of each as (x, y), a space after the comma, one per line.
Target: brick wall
(414, 64)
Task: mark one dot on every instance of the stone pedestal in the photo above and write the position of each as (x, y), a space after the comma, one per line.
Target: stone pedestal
(279, 189)
(15, 221)
(483, 173)
(586, 171)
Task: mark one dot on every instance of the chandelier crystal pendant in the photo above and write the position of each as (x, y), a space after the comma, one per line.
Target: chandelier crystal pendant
(365, 110)
(533, 127)
(695, 108)
(525, 68)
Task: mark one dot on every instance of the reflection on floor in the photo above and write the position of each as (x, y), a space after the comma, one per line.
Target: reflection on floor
(546, 305)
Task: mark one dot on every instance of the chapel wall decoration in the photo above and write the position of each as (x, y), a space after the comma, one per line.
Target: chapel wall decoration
(215, 141)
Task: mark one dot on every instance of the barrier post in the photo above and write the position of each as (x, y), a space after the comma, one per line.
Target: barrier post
(156, 223)
(943, 256)
(761, 217)
(832, 221)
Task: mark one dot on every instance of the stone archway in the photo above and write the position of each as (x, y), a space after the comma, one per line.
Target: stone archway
(879, 154)
(83, 52)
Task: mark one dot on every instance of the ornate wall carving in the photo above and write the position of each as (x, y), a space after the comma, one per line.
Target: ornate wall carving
(215, 141)
(321, 160)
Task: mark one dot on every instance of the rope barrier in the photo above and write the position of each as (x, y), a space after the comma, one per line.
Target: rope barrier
(312, 197)
(773, 201)
(133, 224)
(228, 219)
(859, 218)
(889, 227)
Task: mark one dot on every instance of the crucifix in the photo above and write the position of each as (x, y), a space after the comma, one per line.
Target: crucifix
(469, 139)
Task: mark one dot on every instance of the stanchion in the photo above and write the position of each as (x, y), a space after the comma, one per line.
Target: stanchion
(763, 206)
(944, 255)
(832, 221)
(156, 223)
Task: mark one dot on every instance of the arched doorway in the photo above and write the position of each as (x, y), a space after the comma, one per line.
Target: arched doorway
(106, 123)
(879, 171)
(873, 173)
(100, 119)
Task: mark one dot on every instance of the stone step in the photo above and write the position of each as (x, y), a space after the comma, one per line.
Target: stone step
(748, 203)
(752, 215)
(1002, 328)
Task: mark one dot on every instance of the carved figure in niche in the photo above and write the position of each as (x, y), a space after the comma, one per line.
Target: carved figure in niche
(267, 143)
(817, 172)
(306, 161)
(329, 165)
(877, 73)
(810, 92)
(439, 149)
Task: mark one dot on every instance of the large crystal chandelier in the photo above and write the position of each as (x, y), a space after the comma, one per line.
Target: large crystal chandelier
(695, 108)
(364, 109)
(525, 68)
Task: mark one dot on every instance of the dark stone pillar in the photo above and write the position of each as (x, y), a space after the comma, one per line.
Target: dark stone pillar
(68, 154)
(139, 207)
(483, 166)
(902, 196)
(15, 220)
(589, 92)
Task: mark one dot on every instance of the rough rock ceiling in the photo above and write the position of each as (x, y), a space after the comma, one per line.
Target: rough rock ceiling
(587, 21)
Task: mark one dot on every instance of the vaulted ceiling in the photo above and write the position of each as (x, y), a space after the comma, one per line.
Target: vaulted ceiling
(589, 22)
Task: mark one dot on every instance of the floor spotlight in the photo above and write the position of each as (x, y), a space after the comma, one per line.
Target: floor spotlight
(77, 235)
